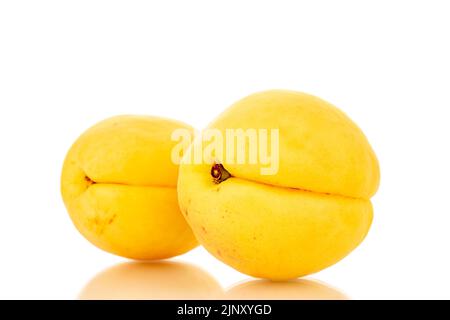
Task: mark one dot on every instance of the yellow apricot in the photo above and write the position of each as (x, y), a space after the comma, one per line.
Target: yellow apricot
(119, 186)
(306, 216)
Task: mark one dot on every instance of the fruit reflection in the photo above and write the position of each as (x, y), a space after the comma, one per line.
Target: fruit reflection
(157, 280)
(301, 289)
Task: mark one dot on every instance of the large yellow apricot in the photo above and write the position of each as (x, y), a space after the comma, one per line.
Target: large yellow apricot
(302, 218)
(119, 186)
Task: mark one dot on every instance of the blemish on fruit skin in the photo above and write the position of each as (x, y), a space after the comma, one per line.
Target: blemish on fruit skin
(204, 230)
(111, 220)
(219, 253)
(100, 223)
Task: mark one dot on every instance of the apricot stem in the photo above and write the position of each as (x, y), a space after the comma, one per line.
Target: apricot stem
(219, 173)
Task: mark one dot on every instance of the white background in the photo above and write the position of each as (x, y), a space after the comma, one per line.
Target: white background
(64, 65)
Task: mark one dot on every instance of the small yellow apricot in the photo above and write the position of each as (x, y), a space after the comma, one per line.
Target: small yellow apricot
(119, 186)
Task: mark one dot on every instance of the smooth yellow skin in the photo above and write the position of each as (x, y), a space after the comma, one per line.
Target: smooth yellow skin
(119, 186)
(309, 215)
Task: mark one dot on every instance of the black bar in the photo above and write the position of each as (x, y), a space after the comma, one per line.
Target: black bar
(227, 309)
